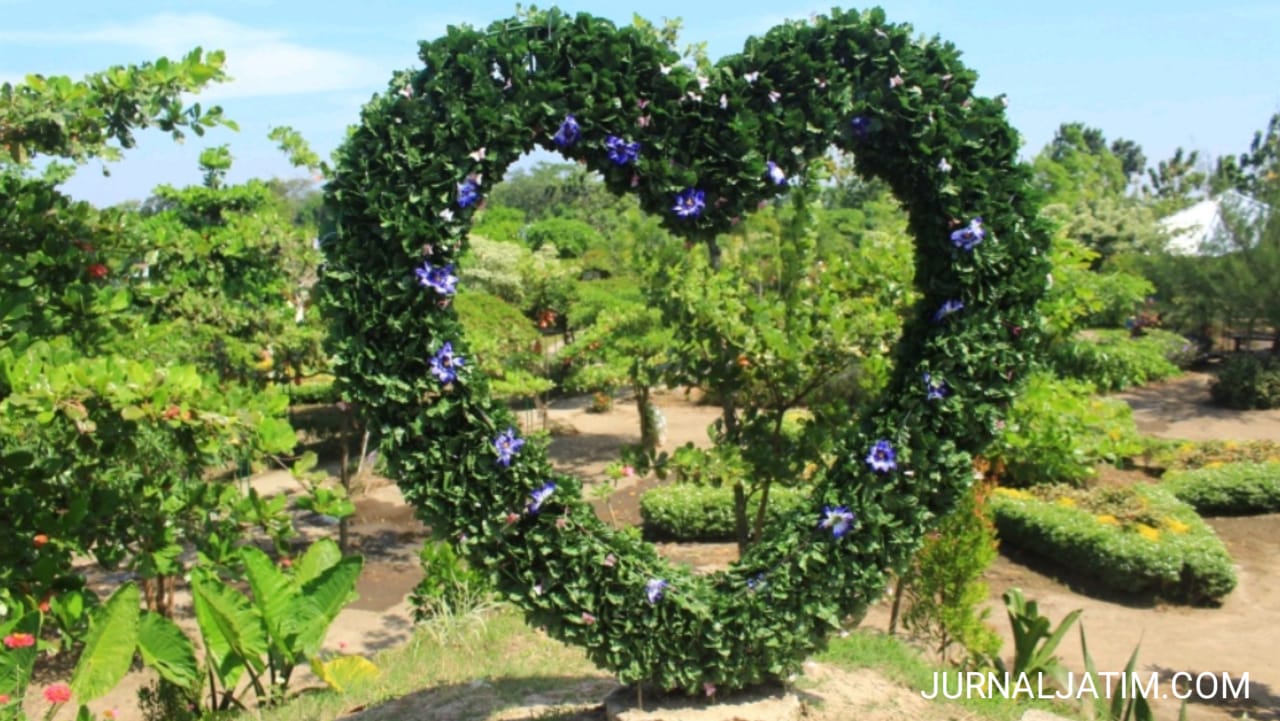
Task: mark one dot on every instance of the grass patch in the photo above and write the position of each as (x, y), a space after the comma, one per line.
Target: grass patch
(899, 662)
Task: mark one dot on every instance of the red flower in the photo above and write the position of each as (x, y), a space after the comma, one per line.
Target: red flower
(4, 698)
(19, 640)
(40, 539)
(56, 693)
(97, 271)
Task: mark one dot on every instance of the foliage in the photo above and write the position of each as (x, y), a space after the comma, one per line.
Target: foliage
(594, 297)
(1034, 639)
(505, 344)
(1247, 382)
(1126, 704)
(689, 512)
(408, 182)
(79, 120)
(1233, 489)
(943, 586)
(571, 238)
(1136, 539)
(448, 585)
(1057, 431)
(1112, 360)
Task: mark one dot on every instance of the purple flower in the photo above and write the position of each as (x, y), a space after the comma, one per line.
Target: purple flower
(775, 173)
(540, 496)
(948, 308)
(756, 582)
(445, 365)
(468, 192)
(861, 125)
(689, 203)
(568, 133)
(838, 519)
(653, 590)
(969, 236)
(882, 459)
(935, 391)
(507, 445)
(620, 151)
(438, 278)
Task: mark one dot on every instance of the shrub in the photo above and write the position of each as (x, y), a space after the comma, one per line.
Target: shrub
(1137, 539)
(688, 512)
(1056, 431)
(1175, 456)
(1248, 382)
(569, 237)
(1227, 490)
(1111, 360)
(317, 392)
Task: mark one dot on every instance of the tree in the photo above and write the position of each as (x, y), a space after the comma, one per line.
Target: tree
(1176, 183)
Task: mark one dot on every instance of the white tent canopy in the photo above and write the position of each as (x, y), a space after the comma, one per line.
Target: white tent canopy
(1202, 229)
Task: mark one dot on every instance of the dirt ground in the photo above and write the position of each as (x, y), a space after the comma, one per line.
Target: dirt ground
(1242, 636)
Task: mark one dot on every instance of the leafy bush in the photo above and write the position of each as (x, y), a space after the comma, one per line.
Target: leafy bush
(323, 391)
(1137, 539)
(448, 587)
(687, 512)
(1248, 382)
(569, 237)
(594, 297)
(1111, 360)
(1186, 455)
(944, 587)
(1056, 431)
(1228, 490)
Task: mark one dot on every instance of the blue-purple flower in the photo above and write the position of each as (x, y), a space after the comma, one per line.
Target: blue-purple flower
(838, 519)
(949, 308)
(540, 496)
(468, 192)
(689, 203)
(438, 278)
(861, 125)
(882, 459)
(654, 589)
(775, 173)
(969, 236)
(620, 151)
(445, 364)
(756, 582)
(935, 391)
(568, 133)
(507, 445)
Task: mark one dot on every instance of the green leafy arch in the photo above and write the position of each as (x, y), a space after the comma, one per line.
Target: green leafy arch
(711, 145)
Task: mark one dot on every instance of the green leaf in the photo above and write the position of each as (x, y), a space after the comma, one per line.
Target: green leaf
(16, 663)
(319, 556)
(321, 600)
(234, 634)
(273, 595)
(345, 672)
(165, 648)
(109, 645)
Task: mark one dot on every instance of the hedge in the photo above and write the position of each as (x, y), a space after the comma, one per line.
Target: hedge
(1111, 360)
(1235, 489)
(1138, 540)
(689, 512)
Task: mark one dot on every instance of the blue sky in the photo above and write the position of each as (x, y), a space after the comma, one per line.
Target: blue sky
(1165, 74)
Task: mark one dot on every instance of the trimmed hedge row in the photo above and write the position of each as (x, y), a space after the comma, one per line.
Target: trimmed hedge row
(1139, 539)
(1235, 489)
(688, 512)
(1190, 455)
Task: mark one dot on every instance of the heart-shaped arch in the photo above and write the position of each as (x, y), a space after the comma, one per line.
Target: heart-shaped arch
(698, 147)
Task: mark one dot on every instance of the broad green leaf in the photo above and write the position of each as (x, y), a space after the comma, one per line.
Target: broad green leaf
(321, 555)
(109, 645)
(167, 649)
(326, 595)
(273, 595)
(234, 633)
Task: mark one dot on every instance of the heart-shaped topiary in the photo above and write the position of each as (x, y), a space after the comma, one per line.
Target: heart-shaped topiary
(699, 147)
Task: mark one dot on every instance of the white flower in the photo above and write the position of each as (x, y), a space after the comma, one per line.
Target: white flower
(774, 96)
(944, 166)
(478, 155)
(703, 82)
(752, 76)
(724, 101)
(407, 91)
(446, 214)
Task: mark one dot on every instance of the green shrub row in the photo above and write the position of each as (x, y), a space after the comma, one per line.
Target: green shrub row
(1111, 360)
(1248, 382)
(1235, 489)
(317, 392)
(1139, 539)
(689, 512)
(1173, 455)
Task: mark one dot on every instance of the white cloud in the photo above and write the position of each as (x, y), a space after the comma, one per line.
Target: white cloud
(261, 62)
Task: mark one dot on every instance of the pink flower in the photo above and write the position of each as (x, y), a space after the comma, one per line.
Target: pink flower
(709, 688)
(57, 693)
(4, 698)
(895, 81)
(111, 714)
(588, 618)
(628, 471)
(610, 560)
(19, 640)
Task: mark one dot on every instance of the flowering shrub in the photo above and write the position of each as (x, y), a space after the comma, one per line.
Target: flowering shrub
(1138, 539)
(410, 178)
(1176, 456)
(1228, 490)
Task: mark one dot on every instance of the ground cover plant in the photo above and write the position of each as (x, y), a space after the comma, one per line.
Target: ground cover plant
(699, 147)
(1231, 489)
